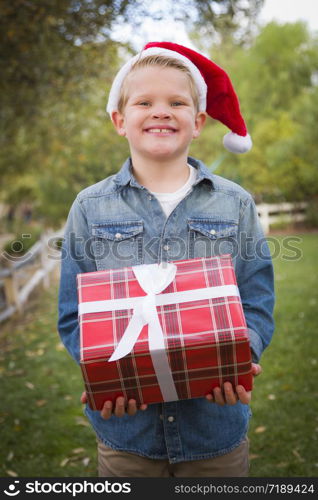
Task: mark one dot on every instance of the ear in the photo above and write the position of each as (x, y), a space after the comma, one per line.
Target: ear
(200, 120)
(119, 122)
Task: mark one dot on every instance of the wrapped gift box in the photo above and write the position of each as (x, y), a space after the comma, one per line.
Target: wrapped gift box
(152, 341)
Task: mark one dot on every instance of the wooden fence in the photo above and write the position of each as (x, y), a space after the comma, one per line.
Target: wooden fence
(280, 213)
(23, 274)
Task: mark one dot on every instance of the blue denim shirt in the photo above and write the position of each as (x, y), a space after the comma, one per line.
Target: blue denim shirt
(117, 223)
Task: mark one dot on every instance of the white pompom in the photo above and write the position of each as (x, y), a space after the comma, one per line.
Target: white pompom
(237, 143)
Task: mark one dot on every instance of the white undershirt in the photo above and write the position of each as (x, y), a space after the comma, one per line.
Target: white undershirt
(169, 201)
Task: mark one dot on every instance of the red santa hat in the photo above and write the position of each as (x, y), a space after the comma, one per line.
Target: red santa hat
(215, 90)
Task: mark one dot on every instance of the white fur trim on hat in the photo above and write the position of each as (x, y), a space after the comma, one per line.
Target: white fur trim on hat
(114, 93)
(237, 143)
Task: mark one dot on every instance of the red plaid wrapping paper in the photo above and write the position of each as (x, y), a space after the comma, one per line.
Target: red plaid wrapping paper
(206, 340)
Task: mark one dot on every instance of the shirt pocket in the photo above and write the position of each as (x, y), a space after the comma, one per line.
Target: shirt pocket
(209, 237)
(117, 243)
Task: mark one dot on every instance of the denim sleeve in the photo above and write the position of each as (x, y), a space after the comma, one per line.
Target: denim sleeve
(254, 270)
(75, 258)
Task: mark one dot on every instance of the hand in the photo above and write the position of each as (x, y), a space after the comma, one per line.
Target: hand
(120, 409)
(228, 396)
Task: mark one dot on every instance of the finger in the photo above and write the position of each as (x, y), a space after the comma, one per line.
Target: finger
(229, 394)
(132, 407)
(120, 407)
(107, 410)
(256, 369)
(84, 397)
(243, 395)
(143, 407)
(218, 396)
(209, 397)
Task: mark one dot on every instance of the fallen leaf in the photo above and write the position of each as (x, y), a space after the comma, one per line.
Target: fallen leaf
(41, 402)
(68, 397)
(10, 456)
(271, 397)
(59, 347)
(30, 354)
(287, 387)
(85, 461)
(252, 456)
(15, 373)
(297, 455)
(17, 427)
(78, 450)
(260, 429)
(81, 421)
(279, 277)
(11, 473)
(64, 462)
(29, 385)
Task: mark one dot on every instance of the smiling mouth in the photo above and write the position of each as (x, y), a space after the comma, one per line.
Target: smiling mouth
(160, 130)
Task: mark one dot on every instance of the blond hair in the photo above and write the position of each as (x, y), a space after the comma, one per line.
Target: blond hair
(163, 62)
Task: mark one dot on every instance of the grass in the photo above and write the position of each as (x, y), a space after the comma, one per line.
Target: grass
(43, 430)
(284, 427)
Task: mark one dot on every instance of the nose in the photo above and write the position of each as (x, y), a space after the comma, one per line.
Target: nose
(161, 112)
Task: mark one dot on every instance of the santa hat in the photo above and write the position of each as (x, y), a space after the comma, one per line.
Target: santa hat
(215, 90)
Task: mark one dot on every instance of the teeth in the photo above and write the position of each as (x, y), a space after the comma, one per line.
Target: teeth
(156, 130)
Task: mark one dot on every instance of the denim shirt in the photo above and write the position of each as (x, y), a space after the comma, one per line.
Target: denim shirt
(117, 223)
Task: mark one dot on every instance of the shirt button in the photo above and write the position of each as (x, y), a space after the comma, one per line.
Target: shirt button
(170, 419)
(213, 231)
(118, 235)
(149, 197)
(166, 247)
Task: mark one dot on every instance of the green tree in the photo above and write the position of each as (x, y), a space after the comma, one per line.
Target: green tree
(71, 144)
(57, 61)
(41, 60)
(275, 78)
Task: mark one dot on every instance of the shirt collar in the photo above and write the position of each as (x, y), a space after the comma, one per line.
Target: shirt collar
(126, 176)
(203, 171)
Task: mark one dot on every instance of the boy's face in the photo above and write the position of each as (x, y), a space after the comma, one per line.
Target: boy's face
(159, 119)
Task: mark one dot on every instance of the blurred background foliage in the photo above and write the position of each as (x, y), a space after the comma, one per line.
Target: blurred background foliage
(58, 59)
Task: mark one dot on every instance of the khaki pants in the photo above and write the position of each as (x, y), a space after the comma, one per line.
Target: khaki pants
(113, 463)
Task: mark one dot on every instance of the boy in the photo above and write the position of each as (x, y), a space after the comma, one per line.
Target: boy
(161, 206)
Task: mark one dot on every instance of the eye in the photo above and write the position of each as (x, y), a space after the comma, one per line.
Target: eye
(144, 103)
(177, 103)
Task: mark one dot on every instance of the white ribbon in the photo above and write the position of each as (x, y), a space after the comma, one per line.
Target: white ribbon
(153, 279)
